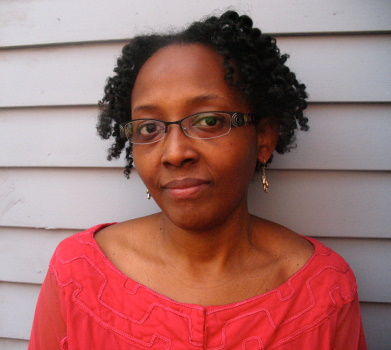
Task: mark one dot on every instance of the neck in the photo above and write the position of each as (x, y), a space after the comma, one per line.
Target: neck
(217, 247)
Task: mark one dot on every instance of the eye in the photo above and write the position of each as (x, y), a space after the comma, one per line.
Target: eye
(147, 128)
(208, 120)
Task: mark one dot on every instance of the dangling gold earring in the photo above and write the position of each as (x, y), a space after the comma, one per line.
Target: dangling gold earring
(148, 194)
(264, 181)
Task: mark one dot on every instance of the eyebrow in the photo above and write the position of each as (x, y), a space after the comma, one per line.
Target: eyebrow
(191, 101)
(203, 98)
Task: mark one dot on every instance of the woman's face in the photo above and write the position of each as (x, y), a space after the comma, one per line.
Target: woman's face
(197, 183)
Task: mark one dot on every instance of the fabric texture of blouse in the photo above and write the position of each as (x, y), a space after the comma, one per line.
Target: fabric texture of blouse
(87, 303)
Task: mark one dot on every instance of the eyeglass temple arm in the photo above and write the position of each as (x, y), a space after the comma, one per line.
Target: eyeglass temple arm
(240, 119)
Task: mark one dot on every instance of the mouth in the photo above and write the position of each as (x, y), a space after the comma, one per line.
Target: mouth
(185, 188)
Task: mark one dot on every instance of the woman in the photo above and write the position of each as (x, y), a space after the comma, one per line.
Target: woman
(202, 110)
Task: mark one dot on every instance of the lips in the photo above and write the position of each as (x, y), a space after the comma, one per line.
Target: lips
(184, 183)
(185, 188)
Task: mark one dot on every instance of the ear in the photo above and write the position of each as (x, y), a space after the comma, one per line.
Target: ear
(267, 139)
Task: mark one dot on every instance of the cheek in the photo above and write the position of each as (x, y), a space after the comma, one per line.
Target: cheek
(144, 161)
(237, 163)
(244, 152)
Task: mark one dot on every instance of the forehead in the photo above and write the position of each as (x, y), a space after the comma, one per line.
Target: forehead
(182, 71)
(182, 59)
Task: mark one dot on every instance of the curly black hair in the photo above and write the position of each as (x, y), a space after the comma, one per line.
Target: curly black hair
(252, 62)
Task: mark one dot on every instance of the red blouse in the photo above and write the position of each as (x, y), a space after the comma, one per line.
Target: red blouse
(87, 303)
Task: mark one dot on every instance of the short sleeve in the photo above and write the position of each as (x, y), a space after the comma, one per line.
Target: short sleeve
(49, 326)
(348, 332)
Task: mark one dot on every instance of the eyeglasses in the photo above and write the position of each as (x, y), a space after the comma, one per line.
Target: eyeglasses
(205, 125)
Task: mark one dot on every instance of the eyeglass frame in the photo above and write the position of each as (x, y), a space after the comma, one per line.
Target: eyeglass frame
(238, 119)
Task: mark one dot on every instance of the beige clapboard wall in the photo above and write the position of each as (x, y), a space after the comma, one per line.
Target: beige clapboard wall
(54, 180)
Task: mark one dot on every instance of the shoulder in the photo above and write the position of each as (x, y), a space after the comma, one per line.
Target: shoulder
(327, 259)
(328, 274)
(130, 245)
(76, 249)
(308, 263)
(127, 236)
(315, 273)
(76, 241)
(288, 249)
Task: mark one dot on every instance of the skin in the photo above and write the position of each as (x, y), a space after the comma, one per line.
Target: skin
(204, 247)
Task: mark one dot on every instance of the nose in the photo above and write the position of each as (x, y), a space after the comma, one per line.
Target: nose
(178, 149)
